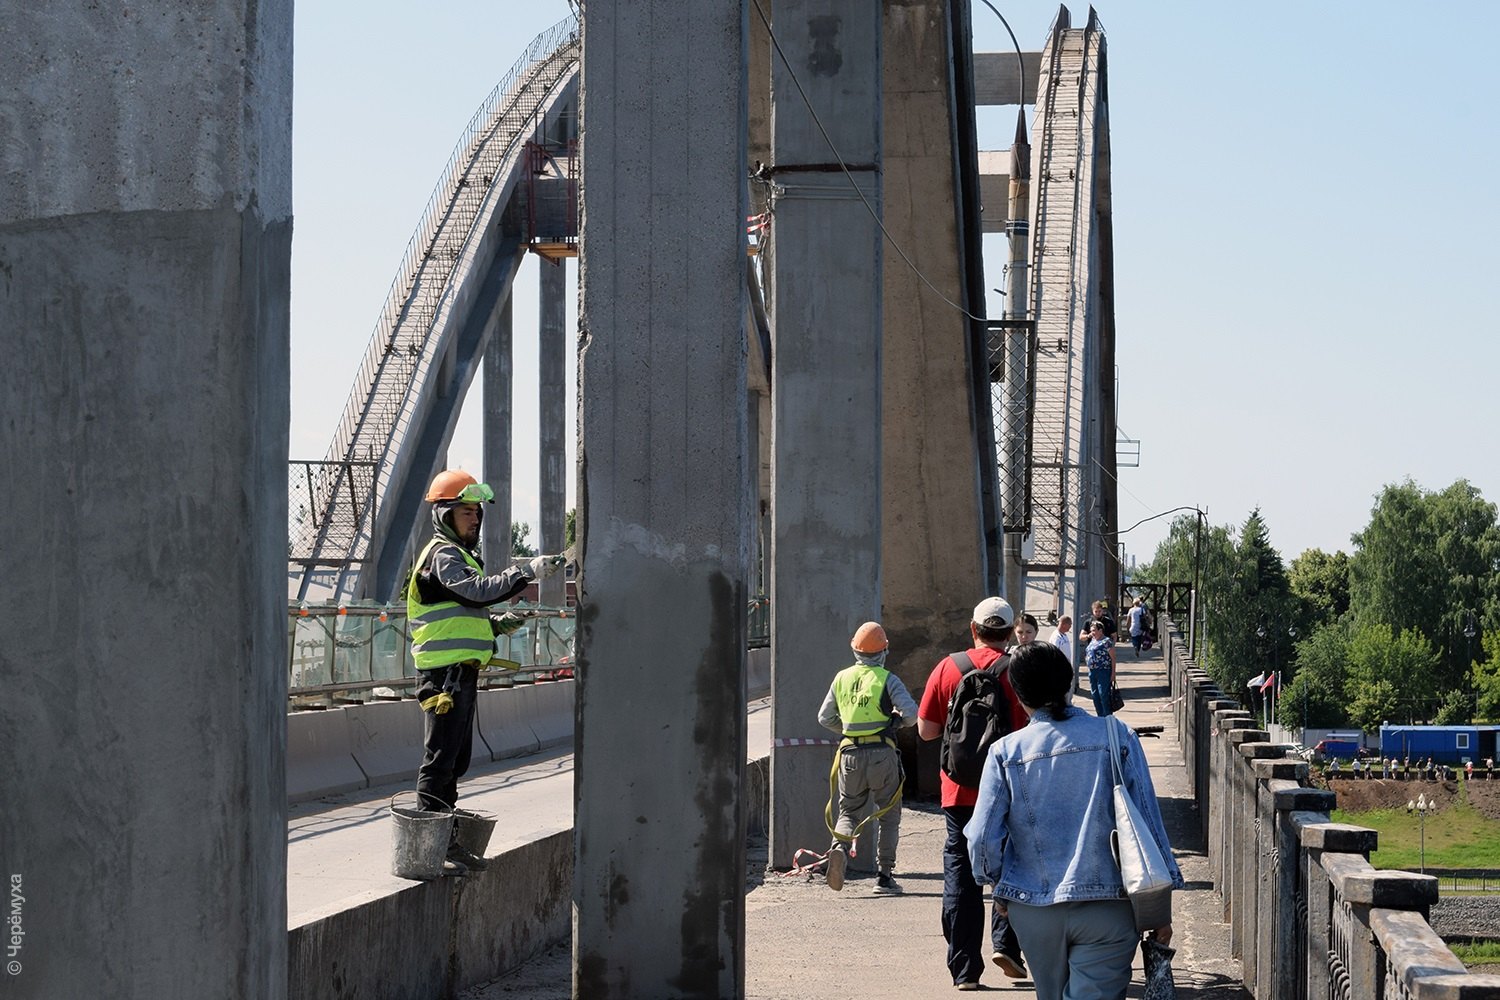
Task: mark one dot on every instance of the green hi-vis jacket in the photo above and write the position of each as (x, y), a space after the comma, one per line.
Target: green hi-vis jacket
(448, 632)
(859, 692)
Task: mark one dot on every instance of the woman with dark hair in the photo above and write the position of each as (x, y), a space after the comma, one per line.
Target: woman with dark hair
(1040, 835)
(1100, 657)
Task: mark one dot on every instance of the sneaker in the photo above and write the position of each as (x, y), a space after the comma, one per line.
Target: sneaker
(1012, 965)
(471, 862)
(885, 883)
(967, 987)
(837, 859)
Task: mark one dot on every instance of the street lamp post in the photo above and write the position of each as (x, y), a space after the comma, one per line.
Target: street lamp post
(1469, 632)
(1420, 807)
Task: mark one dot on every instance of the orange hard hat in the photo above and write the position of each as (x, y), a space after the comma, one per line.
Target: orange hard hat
(869, 638)
(456, 484)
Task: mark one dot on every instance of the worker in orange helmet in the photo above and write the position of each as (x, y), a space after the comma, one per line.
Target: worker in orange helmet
(453, 637)
(866, 704)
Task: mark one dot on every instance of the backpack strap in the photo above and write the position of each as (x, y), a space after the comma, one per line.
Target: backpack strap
(962, 661)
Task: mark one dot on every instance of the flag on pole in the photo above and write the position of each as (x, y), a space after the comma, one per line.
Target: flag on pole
(1257, 681)
(1270, 681)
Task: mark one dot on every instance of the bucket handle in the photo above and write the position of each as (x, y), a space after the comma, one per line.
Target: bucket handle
(413, 794)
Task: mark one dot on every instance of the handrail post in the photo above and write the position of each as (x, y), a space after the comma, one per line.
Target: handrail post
(1357, 890)
(1225, 722)
(1240, 859)
(1327, 974)
(1278, 949)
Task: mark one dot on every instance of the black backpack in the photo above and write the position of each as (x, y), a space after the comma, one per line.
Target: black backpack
(978, 715)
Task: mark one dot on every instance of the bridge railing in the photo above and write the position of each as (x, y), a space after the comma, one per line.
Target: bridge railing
(348, 652)
(1309, 916)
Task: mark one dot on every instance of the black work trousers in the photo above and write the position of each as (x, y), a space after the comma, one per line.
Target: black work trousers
(963, 906)
(447, 739)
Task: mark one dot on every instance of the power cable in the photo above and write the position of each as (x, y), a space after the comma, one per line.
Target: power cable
(845, 168)
(1020, 59)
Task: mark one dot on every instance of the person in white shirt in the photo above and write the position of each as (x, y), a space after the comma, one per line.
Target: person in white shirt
(1063, 637)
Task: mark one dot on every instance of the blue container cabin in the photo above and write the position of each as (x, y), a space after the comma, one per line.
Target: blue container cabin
(1444, 744)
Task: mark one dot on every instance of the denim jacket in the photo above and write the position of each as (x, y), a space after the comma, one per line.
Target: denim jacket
(1041, 829)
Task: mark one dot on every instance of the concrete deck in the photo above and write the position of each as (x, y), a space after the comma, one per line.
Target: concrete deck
(796, 925)
(339, 849)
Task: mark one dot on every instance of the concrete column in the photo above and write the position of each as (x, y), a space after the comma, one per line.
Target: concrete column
(931, 457)
(826, 463)
(552, 391)
(145, 241)
(664, 508)
(498, 368)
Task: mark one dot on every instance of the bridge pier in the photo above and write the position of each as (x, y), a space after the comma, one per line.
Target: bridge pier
(665, 505)
(498, 385)
(145, 246)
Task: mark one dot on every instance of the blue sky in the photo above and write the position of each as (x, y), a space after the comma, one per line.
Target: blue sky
(1305, 212)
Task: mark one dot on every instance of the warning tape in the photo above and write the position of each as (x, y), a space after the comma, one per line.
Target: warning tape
(803, 742)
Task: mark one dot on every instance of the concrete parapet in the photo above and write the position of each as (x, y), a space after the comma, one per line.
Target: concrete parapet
(320, 756)
(387, 739)
(431, 939)
(503, 724)
(547, 707)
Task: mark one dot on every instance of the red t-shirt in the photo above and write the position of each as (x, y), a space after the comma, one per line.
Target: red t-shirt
(934, 708)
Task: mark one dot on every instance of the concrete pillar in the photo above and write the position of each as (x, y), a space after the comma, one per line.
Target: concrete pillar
(664, 509)
(145, 243)
(930, 488)
(826, 464)
(552, 392)
(498, 366)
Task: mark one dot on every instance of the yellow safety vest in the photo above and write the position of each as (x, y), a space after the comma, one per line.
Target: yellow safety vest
(859, 692)
(446, 633)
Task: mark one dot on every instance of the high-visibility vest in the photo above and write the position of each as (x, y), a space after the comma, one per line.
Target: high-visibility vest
(448, 632)
(859, 692)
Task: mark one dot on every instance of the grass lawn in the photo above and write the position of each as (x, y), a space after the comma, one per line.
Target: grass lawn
(1457, 837)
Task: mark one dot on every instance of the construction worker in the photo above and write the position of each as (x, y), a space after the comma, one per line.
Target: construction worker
(866, 704)
(453, 637)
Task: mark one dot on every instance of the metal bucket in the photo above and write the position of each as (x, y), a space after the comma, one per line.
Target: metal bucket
(472, 830)
(419, 841)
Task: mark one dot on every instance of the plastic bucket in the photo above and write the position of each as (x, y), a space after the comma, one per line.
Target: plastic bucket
(472, 830)
(419, 841)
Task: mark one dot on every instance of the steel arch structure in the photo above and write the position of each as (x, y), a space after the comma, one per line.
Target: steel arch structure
(350, 513)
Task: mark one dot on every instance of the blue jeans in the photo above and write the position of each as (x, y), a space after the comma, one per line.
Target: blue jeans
(1100, 686)
(963, 906)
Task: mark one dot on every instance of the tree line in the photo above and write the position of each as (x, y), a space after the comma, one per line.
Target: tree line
(1403, 628)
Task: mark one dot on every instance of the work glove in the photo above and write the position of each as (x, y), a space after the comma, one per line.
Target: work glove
(439, 704)
(505, 624)
(544, 566)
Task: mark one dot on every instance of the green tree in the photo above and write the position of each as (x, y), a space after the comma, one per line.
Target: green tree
(1249, 631)
(1390, 676)
(1321, 583)
(1485, 672)
(570, 528)
(1316, 693)
(520, 532)
(1424, 562)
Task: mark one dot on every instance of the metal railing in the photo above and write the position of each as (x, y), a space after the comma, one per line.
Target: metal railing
(359, 650)
(1308, 915)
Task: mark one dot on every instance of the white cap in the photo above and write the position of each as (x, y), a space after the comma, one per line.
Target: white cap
(993, 612)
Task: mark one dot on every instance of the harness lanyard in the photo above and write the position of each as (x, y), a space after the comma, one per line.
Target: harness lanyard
(833, 789)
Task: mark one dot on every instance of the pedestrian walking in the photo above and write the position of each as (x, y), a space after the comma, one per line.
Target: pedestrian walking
(1100, 657)
(1042, 831)
(866, 704)
(991, 627)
